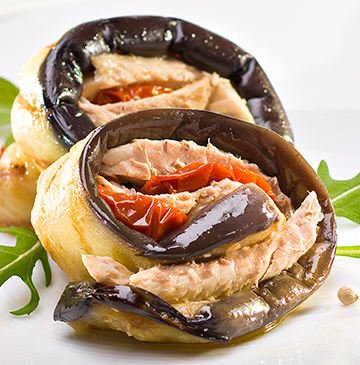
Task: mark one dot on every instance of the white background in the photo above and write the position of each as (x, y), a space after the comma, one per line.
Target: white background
(310, 51)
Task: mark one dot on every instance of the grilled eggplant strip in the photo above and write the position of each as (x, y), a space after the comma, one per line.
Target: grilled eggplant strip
(274, 157)
(61, 75)
(129, 299)
(236, 270)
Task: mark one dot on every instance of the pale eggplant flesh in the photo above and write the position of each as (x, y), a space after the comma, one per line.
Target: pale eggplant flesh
(246, 310)
(61, 74)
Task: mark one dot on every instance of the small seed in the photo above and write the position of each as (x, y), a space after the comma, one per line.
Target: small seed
(347, 295)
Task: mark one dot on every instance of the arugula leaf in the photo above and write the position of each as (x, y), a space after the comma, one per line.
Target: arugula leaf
(345, 194)
(9, 139)
(20, 261)
(8, 92)
(351, 251)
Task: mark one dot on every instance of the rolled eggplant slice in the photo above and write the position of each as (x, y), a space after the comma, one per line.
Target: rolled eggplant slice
(53, 79)
(72, 220)
(18, 176)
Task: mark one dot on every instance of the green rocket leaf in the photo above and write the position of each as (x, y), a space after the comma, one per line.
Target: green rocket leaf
(20, 261)
(351, 251)
(8, 92)
(345, 194)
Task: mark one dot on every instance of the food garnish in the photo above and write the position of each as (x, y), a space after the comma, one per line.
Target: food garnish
(350, 251)
(345, 197)
(20, 261)
(345, 194)
(8, 92)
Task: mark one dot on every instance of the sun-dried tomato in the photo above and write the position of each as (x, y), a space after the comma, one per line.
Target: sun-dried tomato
(128, 93)
(143, 213)
(198, 175)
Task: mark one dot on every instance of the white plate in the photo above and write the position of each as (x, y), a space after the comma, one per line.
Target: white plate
(321, 331)
(319, 87)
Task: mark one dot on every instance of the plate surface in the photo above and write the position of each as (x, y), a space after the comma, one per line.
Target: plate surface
(321, 97)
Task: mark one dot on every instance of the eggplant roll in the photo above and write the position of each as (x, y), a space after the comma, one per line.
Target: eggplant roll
(18, 176)
(102, 69)
(178, 225)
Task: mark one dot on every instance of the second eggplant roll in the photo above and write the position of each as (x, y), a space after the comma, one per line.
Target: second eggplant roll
(179, 225)
(105, 68)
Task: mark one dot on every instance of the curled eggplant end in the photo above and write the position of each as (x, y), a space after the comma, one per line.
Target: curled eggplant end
(219, 321)
(226, 221)
(78, 298)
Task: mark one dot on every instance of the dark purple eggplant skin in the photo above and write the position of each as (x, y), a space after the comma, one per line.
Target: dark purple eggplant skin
(256, 307)
(225, 221)
(61, 74)
(78, 298)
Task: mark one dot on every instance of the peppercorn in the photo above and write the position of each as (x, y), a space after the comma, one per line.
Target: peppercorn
(347, 295)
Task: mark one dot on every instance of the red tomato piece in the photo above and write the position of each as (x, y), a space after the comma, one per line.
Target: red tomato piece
(247, 176)
(2, 150)
(198, 175)
(117, 94)
(144, 214)
(188, 178)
